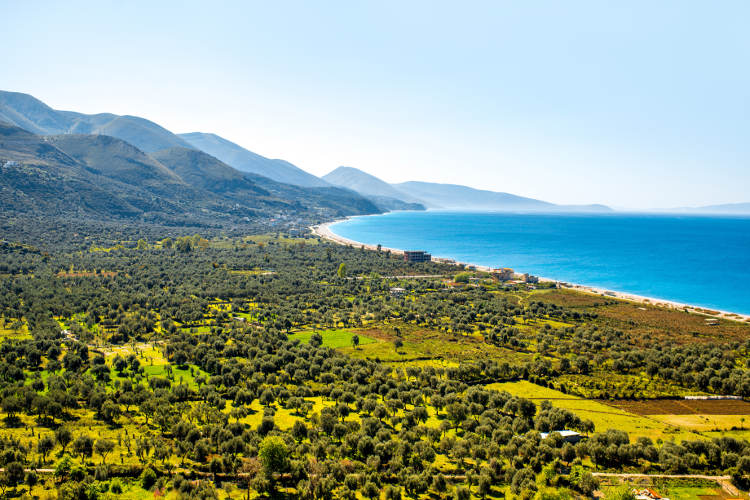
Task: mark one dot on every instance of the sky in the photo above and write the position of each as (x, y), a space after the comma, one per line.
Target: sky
(636, 104)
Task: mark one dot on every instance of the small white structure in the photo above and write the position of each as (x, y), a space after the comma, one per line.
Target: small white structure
(568, 436)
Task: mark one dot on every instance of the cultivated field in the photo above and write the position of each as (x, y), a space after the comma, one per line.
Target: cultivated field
(684, 407)
(648, 322)
(604, 416)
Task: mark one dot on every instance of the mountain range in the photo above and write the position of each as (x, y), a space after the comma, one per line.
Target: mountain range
(726, 209)
(102, 176)
(445, 196)
(128, 166)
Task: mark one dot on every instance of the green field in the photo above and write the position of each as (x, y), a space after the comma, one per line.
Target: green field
(334, 338)
(674, 489)
(179, 375)
(690, 492)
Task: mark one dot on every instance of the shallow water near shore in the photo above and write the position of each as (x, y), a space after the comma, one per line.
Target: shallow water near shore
(698, 260)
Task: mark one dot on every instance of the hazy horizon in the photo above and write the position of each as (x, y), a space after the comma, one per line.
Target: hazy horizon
(637, 106)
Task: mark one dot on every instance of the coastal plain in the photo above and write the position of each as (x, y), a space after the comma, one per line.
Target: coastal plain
(309, 342)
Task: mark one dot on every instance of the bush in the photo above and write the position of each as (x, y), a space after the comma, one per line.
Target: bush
(624, 492)
(31, 478)
(116, 487)
(101, 473)
(462, 493)
(462, 277)
(148, 478)
(523, 480)
(266, 425)
(77, 473)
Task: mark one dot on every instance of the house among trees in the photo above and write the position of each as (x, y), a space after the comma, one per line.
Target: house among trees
(417, 256)
(503, 273)
(571, 437)
(528, 278)
(398, 291)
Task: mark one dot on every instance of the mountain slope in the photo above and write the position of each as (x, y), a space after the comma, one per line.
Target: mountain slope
(30, 113)
(203, 170)
(38, 178)
(206, 172)
(128, 172)
(116, 159)
(319, 199)
(97, 176)
(247, 161)
(19, 145)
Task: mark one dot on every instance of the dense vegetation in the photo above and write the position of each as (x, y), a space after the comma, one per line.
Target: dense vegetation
(198, 366)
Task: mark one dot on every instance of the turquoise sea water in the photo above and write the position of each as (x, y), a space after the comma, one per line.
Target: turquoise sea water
(699, 260)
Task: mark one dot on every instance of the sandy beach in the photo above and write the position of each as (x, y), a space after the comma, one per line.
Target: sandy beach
(324, 231)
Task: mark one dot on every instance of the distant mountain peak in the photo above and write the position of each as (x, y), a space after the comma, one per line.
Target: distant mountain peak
(364, 183)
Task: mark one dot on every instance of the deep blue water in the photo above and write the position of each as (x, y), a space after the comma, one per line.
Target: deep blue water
(699, 260)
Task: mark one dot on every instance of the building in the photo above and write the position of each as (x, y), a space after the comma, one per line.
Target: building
(442, 260)
(568, 436)
(397, 291)
(417, 256)
(503, 273)
(528, 278)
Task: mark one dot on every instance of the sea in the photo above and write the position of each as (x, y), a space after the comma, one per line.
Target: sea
(697, 260)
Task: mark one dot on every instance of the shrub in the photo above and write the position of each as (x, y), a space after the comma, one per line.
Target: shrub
(462, 277)
(101, 473)
(116, 487)
(148, 478)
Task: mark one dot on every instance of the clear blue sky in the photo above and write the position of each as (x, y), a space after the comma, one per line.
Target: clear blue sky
(634, 104)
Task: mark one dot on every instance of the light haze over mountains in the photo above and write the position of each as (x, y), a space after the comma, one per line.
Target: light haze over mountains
(148, 155)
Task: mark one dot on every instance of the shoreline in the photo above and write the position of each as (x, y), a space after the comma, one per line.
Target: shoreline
(324, 231)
